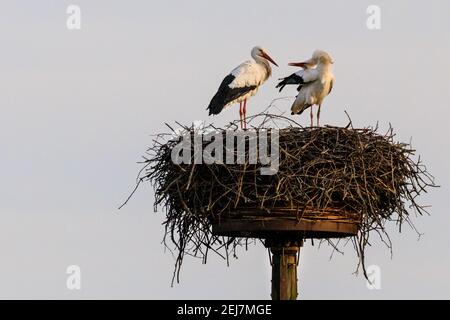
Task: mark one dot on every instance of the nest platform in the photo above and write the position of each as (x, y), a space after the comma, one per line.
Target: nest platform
(286, 222)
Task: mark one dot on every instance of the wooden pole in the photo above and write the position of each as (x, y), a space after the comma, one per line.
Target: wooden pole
(284, 268)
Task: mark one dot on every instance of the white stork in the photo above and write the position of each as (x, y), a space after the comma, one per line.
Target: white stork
(314, 82)
(242, 83)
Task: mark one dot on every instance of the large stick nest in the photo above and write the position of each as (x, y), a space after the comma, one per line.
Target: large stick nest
(356, 170)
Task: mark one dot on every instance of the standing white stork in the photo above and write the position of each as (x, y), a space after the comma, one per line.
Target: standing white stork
(242, 83)
(314, 84)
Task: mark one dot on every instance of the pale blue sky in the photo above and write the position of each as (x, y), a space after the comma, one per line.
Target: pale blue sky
(78, 109)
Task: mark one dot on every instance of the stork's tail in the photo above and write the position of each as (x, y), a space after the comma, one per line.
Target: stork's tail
(215, 107)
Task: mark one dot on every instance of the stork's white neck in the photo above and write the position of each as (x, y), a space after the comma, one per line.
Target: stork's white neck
(324, 67)
(265, 64)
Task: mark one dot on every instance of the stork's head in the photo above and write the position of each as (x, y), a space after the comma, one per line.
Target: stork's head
(322, 57)
(319, 57)
(259, 54)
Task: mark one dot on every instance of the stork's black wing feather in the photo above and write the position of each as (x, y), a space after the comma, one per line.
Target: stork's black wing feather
(292, 79)
(225, 95)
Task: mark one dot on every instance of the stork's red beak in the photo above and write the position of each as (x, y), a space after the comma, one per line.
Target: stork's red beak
(266, 56)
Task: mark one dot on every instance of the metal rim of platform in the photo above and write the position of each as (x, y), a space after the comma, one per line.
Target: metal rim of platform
(287, 222)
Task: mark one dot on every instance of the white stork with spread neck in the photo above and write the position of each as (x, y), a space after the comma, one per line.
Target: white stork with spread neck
(314, 82)
(242, 83)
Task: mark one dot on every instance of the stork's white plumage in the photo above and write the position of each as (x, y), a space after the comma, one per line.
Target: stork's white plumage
(242, 83)
(314, 82)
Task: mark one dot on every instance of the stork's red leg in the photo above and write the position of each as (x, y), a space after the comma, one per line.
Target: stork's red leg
(318, 115)
(311, 116)
(240, 113)
(245, 114)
